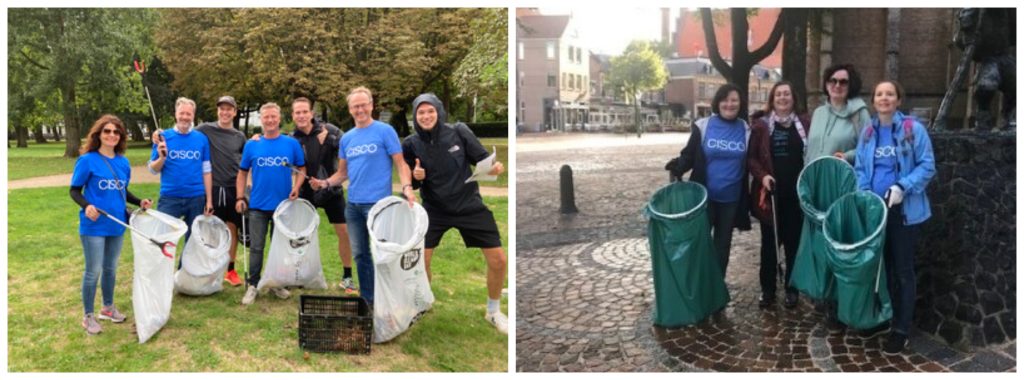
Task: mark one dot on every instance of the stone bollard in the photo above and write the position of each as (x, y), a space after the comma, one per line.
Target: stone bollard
(566, 189)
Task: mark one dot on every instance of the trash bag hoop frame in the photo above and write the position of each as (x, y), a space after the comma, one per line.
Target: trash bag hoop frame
(817, 215)
(691, 211)
(314, 226)
(855, 245)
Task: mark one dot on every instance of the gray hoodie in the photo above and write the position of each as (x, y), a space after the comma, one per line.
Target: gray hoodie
(836, 130)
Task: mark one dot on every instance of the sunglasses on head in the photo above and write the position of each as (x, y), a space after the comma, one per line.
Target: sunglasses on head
(838, 81)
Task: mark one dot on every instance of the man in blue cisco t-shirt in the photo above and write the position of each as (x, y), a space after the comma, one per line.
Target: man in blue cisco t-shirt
(268, 159)
(177, 158)
(365, 158)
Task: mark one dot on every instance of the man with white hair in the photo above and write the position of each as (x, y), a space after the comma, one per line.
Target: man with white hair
(270, 160)
(177, 157)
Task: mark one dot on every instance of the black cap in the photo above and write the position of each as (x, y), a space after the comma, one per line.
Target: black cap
(227, 99)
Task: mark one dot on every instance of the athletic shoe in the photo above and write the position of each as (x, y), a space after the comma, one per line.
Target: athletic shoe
(111, 314)
(281, 293)
(91, 325)
(874, 331)
(895, 344)
(250, 295)
(499, 320)
(349, 286)
(232, 278)
(791, 300)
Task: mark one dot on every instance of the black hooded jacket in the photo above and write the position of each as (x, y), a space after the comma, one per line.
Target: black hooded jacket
(445, 153)
(321, 159)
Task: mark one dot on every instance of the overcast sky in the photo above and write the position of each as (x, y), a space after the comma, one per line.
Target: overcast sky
(608, 30)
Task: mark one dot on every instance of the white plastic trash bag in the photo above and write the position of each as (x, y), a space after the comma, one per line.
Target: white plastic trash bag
(205, 258)
(401, 289)
(152, 282)
(294, 255)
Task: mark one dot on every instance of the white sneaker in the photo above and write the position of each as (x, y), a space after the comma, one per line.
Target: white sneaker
(499, 320)
(281, 293)
(250, 295)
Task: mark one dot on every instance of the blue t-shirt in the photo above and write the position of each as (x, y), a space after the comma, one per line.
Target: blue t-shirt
(725, 148)
(267, 159)
(885, 161)
(367, 153)
(103, 190)
(188, 157)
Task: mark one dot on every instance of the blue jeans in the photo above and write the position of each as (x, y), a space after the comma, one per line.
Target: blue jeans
(258, 224)
(900, 244)
(101, 254)
(359, 236)
(189, 208)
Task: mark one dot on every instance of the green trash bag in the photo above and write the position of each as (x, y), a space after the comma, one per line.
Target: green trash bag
(820, 183)
(688, 282)
(855, 230)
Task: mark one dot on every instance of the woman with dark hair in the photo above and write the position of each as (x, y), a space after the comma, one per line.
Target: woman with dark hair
(102, 172)
(836, 124)
(775, 158)
(895, 161)
(716, 152)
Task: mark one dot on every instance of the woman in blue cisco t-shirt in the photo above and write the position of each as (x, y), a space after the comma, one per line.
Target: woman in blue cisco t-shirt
(102, 172)
(716, 152)
(895, 161)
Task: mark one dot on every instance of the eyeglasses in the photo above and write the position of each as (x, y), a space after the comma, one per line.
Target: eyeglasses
(361, 105)
(111, 131)
(838, 81)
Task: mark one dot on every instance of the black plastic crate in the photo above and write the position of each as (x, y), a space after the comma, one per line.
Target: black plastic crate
(329, 323)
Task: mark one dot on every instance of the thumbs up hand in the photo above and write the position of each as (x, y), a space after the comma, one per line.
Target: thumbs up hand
(417, 172)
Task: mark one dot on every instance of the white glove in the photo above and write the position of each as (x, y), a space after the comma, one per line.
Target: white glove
(894, 195)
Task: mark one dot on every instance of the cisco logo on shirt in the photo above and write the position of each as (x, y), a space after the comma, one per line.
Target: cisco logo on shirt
(359, 150)
(272, 161)
(111, 184)
(734, 146)
(885, 151)
(183, 154)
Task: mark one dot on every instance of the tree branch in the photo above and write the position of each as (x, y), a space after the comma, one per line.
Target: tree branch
(765, 50)
(32, 61)
(712, 44)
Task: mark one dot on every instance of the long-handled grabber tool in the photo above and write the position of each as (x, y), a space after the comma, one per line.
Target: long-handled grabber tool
(775, 230)
(164, 246)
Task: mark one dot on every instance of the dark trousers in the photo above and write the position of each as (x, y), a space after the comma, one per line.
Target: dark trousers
(790, 220)
(723, 219)
(900, 244)
(259, 222)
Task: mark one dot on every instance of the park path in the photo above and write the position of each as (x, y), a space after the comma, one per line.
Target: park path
(142, 175)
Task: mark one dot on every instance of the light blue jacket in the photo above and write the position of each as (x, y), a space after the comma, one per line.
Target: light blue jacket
(916, 165)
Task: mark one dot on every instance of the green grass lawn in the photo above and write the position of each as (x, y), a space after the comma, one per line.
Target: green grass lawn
(46, 159)
(216, 333)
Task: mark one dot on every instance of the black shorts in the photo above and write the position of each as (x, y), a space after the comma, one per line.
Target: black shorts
(224, 205)
(334, 206)
(479, 230)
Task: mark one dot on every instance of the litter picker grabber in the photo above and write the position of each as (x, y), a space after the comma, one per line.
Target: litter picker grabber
(163, 246)
(245, 248)
(775, 231)
(140, 67)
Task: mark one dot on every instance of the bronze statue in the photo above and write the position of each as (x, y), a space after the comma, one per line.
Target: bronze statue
(993, 33)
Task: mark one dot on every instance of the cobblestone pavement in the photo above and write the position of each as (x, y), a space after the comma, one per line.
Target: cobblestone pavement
(584, 287)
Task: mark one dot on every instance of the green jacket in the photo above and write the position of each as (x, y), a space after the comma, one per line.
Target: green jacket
(836, 131)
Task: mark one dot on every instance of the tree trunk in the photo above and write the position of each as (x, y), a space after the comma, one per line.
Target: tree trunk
(74, 141)
(22, 134)
(794, 53)
(892, 44)
(247, 134)
(399, 121)
(743, 58)
(813, 58)
(37, 134)
(135, 130)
